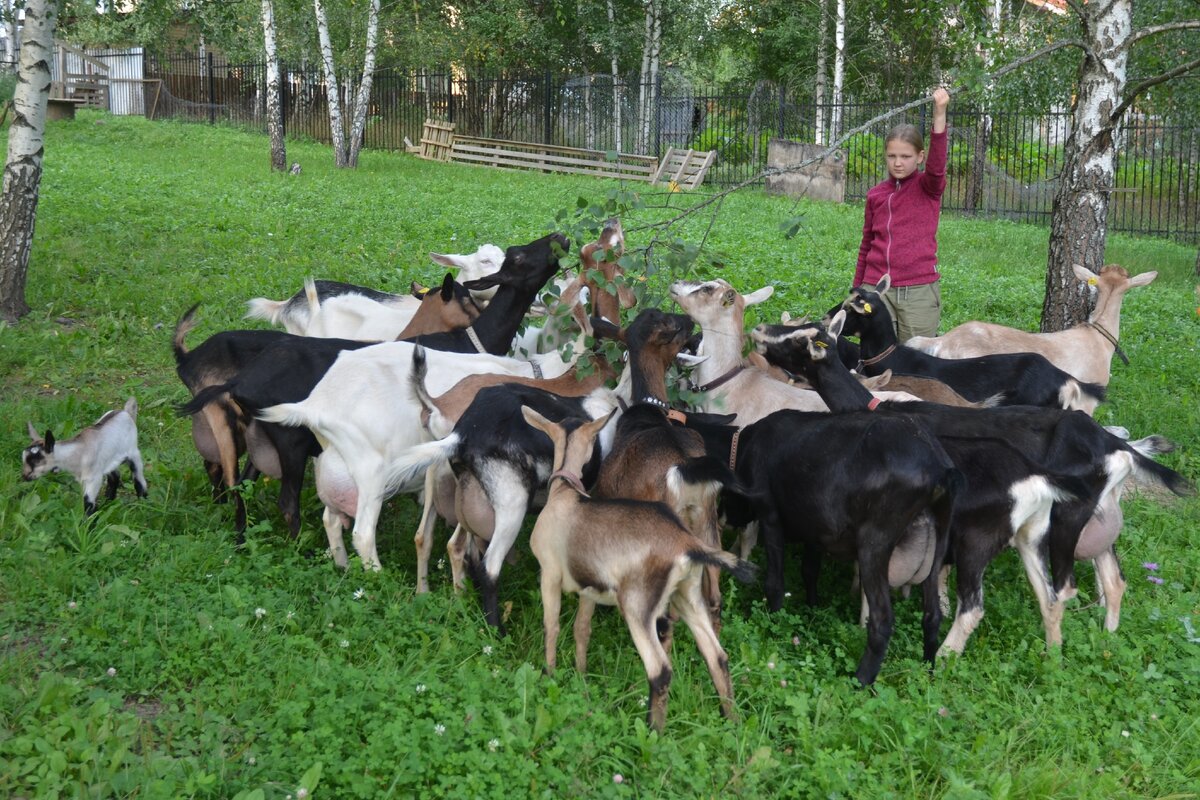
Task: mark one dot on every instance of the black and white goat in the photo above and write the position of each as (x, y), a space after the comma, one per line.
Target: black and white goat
(1023, 379)
(635, 555)
(93, 456)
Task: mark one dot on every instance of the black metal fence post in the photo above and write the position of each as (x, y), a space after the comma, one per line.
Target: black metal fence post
(658, 115)
(547, 117)
(212, 108)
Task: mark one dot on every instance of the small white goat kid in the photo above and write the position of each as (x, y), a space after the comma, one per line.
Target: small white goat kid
(92, 457)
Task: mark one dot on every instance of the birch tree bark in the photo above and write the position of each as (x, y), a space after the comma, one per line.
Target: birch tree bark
(23, 168)
(274, 109)
(1079, 220)
(336, 130)
(655, 51)
(983, 126)
(8, 16)
(616, 76)
(822, 46)
(363, 101)
(647, 91)
(839, 69)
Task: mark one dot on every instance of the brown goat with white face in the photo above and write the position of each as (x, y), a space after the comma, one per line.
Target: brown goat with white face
(1085, 351)
(635, 555)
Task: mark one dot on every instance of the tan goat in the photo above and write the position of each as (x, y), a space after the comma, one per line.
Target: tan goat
(635, 555)
(1084, 352)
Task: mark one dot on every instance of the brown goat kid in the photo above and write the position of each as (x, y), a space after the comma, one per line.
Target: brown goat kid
(635, 555)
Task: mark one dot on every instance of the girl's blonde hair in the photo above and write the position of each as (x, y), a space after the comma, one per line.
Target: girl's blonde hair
(907, 133)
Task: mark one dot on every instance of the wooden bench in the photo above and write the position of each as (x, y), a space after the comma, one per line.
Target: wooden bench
(62, 107)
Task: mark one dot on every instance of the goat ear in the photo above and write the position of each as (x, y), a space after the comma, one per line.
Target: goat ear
(756, 297)
(1142, 279)
(536, 420)
(884, 284)
(875, 383)
(448, 288)
(689, 360)
(597, 425)
(486, 282)
(417, 290)
(447, 260)
(603, 329)
(32, 431)
(1084, 274)
(49, 441)
(837, 323)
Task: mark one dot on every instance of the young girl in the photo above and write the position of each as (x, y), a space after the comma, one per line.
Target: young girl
(900, 228)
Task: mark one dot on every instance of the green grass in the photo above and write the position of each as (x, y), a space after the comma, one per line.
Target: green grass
(211, 698)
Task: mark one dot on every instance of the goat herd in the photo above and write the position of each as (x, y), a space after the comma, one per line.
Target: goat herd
(982, 438)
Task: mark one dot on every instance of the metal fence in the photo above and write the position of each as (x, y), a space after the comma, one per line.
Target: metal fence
(1002, 164)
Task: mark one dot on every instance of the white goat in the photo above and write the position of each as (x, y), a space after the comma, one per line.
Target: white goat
(635, 555)
(93, 456)
(1084, 352)
(293, 313)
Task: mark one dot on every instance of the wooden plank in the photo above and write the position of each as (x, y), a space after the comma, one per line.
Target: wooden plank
(658, 173)
(683, 165)
(545, 160)
(553, 148)
(526, 165)
(583, 168)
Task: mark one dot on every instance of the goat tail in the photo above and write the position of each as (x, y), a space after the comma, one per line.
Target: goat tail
(412, 463)
(926, 344)
(416, 379)
(705, 470)
(293, 415)
(1074, 393)
(310, 294)
(742, 571)
(1149, 473)
(203, 397)
(131, 408)
(185, 324)
(995, 401)
(265, 309)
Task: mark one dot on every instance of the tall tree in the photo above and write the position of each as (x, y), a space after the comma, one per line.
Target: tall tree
(333, 94)
(8, 18)
(1079, 220)
(819, 97)
(362, 99)
(23, 168)
(839, 69)
(274, 107)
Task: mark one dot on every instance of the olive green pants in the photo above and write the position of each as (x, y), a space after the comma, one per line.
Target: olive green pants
(915, 310)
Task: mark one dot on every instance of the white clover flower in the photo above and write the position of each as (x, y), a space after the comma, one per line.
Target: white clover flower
(487, 649)
(618, 778)
(301, 793)
(291, 614)
(72, 605)
(1125, 734)
(260, 612)
(770, 665)
(439, 729)
(796, 641)
(344, 643)
(493, 745)
(421, 688)
(252, 761)
(112, 672)
(441, 564)
(360, 594)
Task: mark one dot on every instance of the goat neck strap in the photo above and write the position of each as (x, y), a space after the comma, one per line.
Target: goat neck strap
(537, 368)
(654, 401)
(733, 445)
(874, 404)
(1112, 340)
(891, 348)
(572, 479)
(728, 376)
(474, 337)
(677, 416)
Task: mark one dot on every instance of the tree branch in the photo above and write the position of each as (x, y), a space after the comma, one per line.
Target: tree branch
(845, 137)
(1115, 117)
(1164, 28)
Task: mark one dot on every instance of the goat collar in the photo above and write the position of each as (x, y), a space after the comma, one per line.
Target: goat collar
(654, 401)
(874, 404)
(536, 367)
(1111, 339)
(474, 337)
(891, 348)
(733, 445)
(728, 376)
(572, 479)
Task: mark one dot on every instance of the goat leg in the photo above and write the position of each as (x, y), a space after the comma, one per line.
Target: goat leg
(583, 632)
(113, 482)
(872, 570)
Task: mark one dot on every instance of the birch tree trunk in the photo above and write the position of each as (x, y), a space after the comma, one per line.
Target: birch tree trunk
(643, 77)
(23, 168)
(616, 76)
(819, 98)
(8, 13)
(336, 131)
(983, 126)
(1079, 220)
(363, 101)
(655, 50)
(274, 109)
(839, 70)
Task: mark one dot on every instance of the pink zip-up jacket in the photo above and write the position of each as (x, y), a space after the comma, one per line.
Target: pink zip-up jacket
(900, 224)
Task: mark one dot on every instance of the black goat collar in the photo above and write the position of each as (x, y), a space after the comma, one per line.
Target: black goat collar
(1111, 339)
(728, 376)
(891, 348)
(572, 479)
(733, 445)
(654, 401)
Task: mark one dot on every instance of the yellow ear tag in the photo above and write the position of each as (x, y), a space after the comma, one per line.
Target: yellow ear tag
(1092, 281)
(820, 344)
(866, 308)
(424, 290)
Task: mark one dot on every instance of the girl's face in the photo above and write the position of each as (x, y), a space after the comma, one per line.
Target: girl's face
(902, 158)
